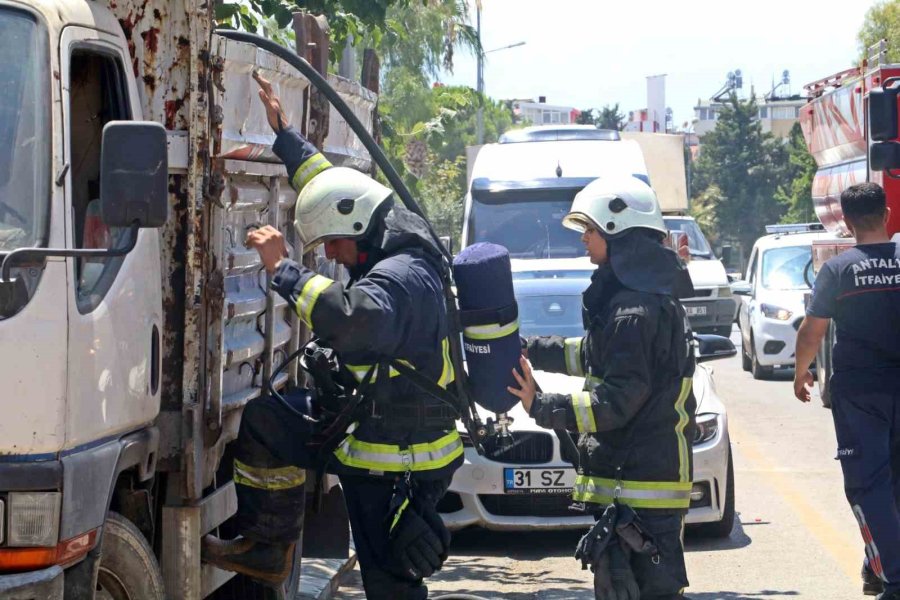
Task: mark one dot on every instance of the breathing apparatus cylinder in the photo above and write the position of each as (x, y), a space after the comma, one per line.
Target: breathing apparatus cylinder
(490, 319)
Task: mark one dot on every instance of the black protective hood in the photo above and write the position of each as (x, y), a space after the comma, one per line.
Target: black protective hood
(394, 228)
(641, 263)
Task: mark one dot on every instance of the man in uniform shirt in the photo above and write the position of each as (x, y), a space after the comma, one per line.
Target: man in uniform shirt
(860, 290)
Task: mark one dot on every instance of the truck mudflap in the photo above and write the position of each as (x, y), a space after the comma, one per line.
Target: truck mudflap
(46, 584)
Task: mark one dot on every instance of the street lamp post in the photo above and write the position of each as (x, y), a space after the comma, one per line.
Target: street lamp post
(479, 84)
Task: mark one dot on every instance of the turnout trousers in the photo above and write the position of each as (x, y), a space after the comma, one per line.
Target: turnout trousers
(368, 500)
(866, 415)
(666, 579)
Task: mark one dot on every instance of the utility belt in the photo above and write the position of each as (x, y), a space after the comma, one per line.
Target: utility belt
(414, 415)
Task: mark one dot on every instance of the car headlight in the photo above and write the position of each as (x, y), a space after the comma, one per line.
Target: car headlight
(707, 428)
(775, 312)
(724, 291)
(33, 518)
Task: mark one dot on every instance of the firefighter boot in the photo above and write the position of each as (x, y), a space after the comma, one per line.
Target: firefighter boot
(268, 563)
(872, 584)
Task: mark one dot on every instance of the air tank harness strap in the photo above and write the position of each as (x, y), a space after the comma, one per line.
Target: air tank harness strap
(502, 315)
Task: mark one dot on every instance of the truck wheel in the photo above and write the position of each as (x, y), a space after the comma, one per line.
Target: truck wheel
(128, 568)
(722, 529)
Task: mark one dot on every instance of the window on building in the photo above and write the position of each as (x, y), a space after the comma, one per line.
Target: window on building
(763, 112)
(545, 117)
(784, 112)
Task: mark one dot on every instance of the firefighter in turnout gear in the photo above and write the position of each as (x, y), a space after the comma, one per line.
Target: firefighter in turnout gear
(398, 457)
(635, 416)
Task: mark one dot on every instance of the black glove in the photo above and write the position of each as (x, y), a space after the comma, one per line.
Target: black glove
(416, 550)
(591, 546)
(621, 575)
(430, 515)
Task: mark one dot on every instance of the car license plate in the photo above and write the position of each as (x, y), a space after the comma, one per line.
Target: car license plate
(552, 480)
(695, 311)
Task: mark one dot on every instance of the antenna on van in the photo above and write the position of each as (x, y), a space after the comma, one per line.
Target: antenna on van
(558, 169)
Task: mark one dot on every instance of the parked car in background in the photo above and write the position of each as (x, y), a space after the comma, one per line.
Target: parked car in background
(779, 274)
(712, 309)
(487, 490)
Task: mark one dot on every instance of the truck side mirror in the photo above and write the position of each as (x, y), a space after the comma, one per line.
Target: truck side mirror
(134, 174)
(883, 123)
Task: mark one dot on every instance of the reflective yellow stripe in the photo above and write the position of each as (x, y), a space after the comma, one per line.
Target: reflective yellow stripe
(391, 458)
(574, 365)
(399, 513)
(281, 478)
(311, 167)
(491, 332)
(590, 382)
(684, 474)
(638, 494)
(359, 371)
(584, 415)
(306, 301)
(448, 374)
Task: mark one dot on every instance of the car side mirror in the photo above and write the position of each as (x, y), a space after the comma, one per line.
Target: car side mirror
(134, 174)
(741, 288)
(713, 347)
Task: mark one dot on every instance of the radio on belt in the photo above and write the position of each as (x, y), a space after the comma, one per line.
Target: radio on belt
(490, 320)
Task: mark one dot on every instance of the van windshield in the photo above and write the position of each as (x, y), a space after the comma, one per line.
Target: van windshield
(529, 227)
(24, 135)
(787, 268)
(697, 243)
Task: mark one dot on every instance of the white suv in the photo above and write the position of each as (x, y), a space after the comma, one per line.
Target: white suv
(778, 277)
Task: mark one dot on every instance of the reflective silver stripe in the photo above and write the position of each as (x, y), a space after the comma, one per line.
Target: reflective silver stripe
(306, 301)
(574, 365)
(646, 494)
(390, 457)
(311, 167)
(491, 332)
(584, 415)
(280, 478)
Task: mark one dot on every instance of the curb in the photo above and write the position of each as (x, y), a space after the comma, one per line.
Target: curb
(320, 578)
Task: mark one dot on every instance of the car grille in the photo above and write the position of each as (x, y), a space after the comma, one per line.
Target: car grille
(528, 505)
(528, 448)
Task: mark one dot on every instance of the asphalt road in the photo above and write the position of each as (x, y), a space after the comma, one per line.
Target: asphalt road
(795, 538)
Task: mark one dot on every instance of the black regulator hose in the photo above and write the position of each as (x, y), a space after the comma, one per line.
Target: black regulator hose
(320, 83)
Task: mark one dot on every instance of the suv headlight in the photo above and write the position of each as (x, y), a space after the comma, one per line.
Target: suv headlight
(707, 428)
(775, 312)
(33, 518)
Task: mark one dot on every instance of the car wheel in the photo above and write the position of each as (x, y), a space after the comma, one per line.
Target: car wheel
(722, 528)
(757, 370)
(746, 363)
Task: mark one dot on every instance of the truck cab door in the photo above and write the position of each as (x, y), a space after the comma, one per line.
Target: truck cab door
(114, 304)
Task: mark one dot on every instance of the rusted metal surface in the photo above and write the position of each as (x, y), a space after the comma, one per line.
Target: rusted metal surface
(342, 146)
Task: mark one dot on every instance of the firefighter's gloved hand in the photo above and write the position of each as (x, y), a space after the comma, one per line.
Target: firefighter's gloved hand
(413, 545)
(430, 515)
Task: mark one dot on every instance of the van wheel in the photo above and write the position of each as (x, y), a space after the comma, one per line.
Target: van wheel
(722, 528)
(746, 363)
(128, 568)
(757, 370)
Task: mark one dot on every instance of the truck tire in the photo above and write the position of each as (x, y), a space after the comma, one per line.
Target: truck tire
(128, 568)
(722, 528)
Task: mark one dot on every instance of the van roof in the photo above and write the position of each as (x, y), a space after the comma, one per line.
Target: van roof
(778, 240)
(558, 133)
(538, 160)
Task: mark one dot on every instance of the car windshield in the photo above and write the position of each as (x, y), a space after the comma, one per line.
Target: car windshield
(787, 268)
(697, 243)
(24, 135)
(529, 228)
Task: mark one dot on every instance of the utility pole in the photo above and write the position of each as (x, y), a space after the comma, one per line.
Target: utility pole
(479, 84)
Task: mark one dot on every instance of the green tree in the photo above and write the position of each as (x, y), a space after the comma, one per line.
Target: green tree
(610, 118)
(442, 196)
(796, 193)
(586, 117)
(882, 21)
(746, 167)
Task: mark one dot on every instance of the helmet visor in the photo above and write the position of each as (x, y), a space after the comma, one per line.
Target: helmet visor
(580, 222)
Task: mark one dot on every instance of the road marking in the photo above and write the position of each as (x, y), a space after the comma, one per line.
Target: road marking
(847, 555)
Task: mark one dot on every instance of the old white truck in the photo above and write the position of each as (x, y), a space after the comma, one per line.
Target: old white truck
(124, 377)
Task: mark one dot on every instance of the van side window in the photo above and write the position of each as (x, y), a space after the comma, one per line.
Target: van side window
(97, 95)
(751, 267)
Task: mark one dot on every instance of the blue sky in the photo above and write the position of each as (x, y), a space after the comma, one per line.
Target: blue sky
(587, 53)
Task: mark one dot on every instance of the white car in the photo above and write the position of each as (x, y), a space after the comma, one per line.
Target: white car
(777, 279)
(528, 484)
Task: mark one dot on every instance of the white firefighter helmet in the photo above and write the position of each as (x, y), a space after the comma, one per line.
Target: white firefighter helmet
(338, 203)
(614, 205)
